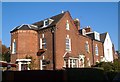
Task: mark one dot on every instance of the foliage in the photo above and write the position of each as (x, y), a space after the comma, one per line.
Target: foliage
(32, 65)
(116, 65)
(109, 66)
(5, 55)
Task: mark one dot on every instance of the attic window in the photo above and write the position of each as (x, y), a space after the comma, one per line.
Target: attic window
(97, 36)
(46, 23)
(83, 32)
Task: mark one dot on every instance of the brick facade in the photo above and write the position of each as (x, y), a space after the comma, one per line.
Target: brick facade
(28, 43)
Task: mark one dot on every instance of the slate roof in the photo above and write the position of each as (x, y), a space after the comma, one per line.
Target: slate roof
(24, 27)
(55, 18)
(103, 36)
(91, 35)
(39, 24)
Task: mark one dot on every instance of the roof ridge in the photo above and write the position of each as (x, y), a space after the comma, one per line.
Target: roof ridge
(50, 17)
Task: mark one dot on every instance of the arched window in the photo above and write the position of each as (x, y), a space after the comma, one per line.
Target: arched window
(87, 46)
(96, 50)
(67, 25)
(14, 47)
(68, 44)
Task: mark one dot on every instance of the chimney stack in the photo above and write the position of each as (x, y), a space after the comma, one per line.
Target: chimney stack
(88, 29)
(77, 23)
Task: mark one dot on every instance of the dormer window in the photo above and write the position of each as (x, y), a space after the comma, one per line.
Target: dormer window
(47, 22)
(83, 32)
(97, 36)
(67, 25)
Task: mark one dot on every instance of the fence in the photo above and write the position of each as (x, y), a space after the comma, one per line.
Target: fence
(54, 75)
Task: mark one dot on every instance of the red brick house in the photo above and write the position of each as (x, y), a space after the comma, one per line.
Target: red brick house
(55, 43)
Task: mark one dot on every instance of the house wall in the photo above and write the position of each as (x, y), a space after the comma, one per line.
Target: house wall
(108, 45)
(97, 58)
(60, 39)
(48, 54)
(77, 43)
(26, 45)
(82, 50)
(14, 35)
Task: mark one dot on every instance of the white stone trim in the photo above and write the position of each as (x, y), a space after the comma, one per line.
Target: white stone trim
(41, 68)
(65, 54)
(67, 25)
(40, 43)
(34, 26)
(89, 32)
(68, 63)
(13, 46)
(20, 60)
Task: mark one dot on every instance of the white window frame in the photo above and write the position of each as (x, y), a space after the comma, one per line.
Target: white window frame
(97, 35)
(83, 61)
(83, 32)
(41, 42)
(70, 62)
(43, 35)
(45, 23)
(87, 47)
(44, 43)
(23, 61)
(67, 25)
(96, 50)
(14, 47)
(68, 44)
(41, 64)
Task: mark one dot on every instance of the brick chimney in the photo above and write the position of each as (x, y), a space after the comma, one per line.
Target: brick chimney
(77, 23)
(88, 29)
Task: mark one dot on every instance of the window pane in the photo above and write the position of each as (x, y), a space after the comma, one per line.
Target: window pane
(87, 47)
(67, 25)
(44, 43)
(66, 60)
(46, 22)
(96, 50)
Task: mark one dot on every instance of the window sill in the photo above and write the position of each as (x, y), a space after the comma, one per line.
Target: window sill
(13, 52)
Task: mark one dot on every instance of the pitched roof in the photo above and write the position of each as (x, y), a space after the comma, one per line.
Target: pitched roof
(103, 36)
(91, 35)
(55, 19)
(25, 27)
(39, 24)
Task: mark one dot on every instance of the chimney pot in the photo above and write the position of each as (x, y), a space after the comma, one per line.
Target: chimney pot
(77, 23)
(62, 11)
